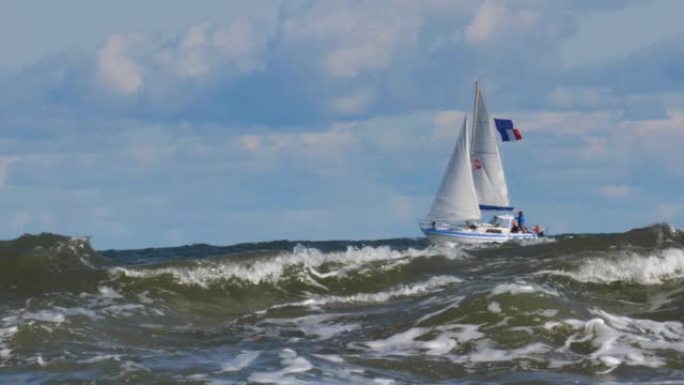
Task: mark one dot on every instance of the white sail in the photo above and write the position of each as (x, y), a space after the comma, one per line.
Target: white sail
(488, 173)
(456, 199)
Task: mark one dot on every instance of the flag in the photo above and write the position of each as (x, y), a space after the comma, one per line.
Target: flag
(505, 128)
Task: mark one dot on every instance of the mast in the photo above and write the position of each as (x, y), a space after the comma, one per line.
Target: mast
(473, 122)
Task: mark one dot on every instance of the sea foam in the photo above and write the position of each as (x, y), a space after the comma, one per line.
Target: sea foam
(272, 269)
(429, 286)
(620, 340)
(653, 269)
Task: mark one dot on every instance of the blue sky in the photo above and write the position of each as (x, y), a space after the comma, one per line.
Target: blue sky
(164, 122)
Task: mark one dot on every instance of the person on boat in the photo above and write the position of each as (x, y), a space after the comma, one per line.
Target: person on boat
(538, 230)
(514, 226)
(521, 221)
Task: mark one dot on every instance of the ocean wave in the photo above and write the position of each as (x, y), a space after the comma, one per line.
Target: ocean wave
(601, 343)
(629, 267)
(49, 262)
(432, 285)
(660, 235)
(241, 361)
(414, 341)
(608, 341)
(516, 288)
(345, 312)
(320, 326)
(302, 263)
(291, 362)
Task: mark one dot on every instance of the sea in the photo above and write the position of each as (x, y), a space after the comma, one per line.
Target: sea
(568, 309)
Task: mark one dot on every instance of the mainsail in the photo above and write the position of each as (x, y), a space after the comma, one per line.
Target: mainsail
(488, 173)
(456, 199)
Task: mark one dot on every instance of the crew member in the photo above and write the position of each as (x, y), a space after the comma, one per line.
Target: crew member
(521, 221)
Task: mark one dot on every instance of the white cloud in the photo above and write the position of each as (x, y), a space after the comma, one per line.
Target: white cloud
(405, 133)
(588, 97)
(21, 219)
(242, 43)
(326, 144)
(5, 162)
(147, 155)
(495, 20)
(353, 38)
(656, 140)
(204, 48)
(194, 37)
(251, 143)
(326, 153)
(567, 123)
(115, 68)
(355, 103)
(615, 191)
(191, 59)
(673, 124)
(485, 22)
(127, 62)
(595, 147)
(447, 124)
(611, 137)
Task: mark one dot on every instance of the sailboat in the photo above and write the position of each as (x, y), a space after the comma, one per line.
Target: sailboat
(474, 183)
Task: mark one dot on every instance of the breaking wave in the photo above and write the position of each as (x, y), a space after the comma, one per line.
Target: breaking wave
(569, 309)
(655, 269)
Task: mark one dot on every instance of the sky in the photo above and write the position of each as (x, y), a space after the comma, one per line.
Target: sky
(163, 123)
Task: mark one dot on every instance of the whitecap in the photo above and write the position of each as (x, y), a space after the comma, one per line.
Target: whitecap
(318, 325)
(272, 269)
(485, 353)
(100, 358)
(45, 316)
(292, 364)
(428, 286)
(645, 270)
(453, 304)
(621, 340)
(334, 358)
(384, 381)
(240, 361)
(522, 288)
(412, 341)
(494, 307)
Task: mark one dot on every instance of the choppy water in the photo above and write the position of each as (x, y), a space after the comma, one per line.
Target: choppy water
(574, 309)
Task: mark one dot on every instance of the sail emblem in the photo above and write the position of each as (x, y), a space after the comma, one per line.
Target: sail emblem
(477, 164)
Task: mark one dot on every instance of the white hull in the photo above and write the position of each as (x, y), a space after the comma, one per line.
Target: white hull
(467, 236)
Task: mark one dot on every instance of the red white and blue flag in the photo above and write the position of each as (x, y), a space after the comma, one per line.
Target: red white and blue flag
(505, 128)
